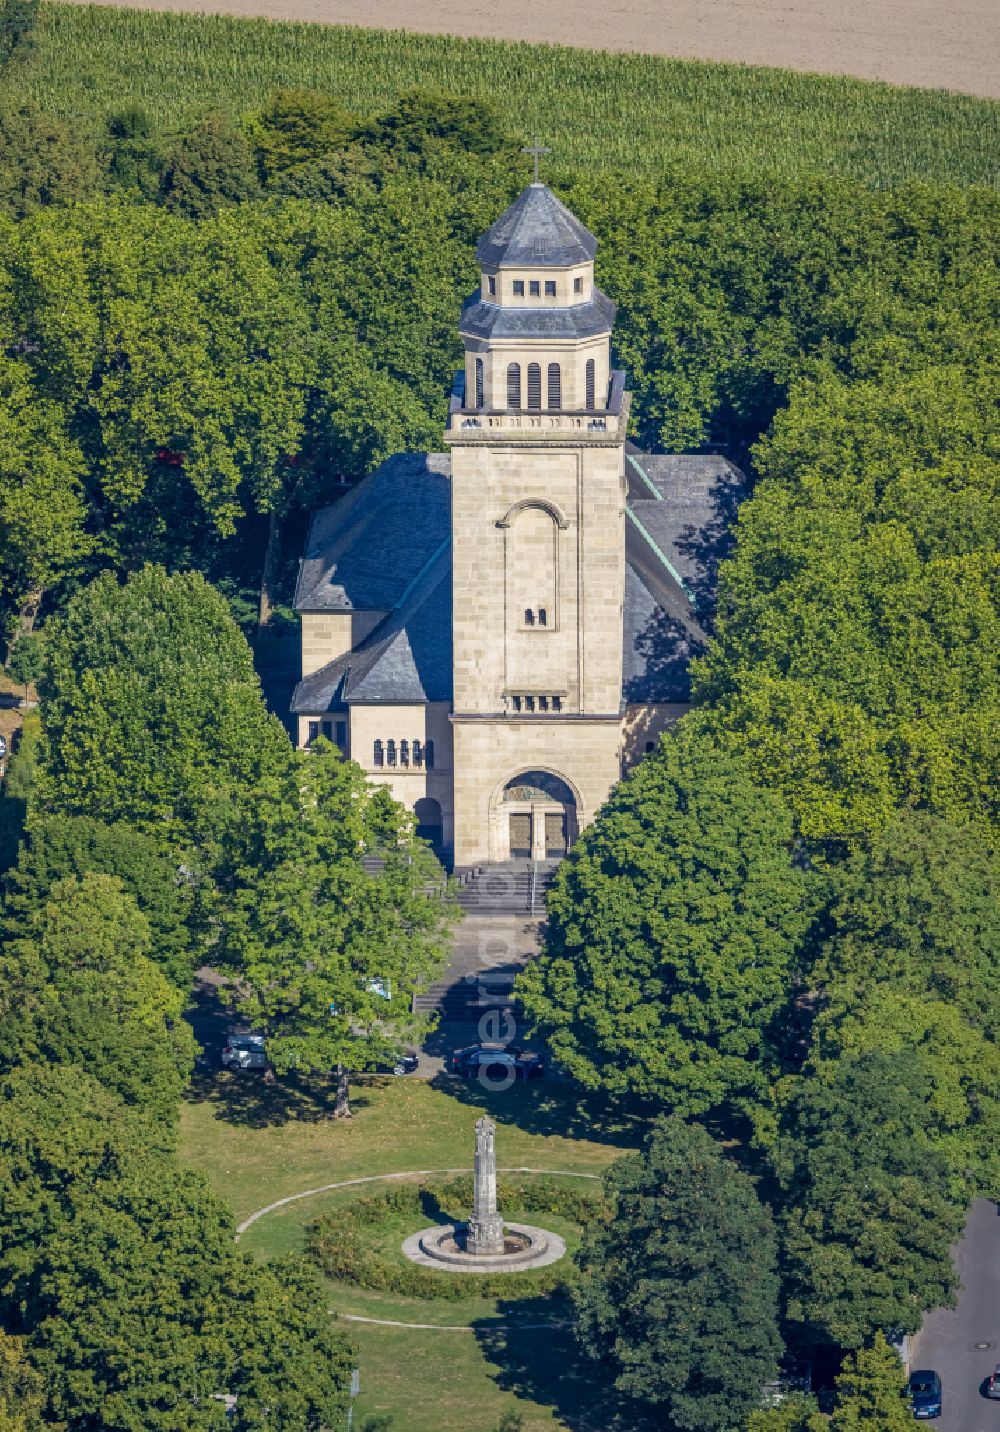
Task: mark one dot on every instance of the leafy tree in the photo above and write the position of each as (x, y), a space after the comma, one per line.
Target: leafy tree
(43, 160)
(868, 1222)
(77, 988)
(856, 659)
(209, 168)
(151, 710)
(292, 1363)
(795, 1413)
(672, 935)
(18, 19)
(134, 162)
(120, 1271)
(918, 910)
(62, 846)
(870, 1392)
(22, 1397)
(25, 661)
(326, 952)
(42, 513)
(677, 1287)
(297, 127)
(425, 115)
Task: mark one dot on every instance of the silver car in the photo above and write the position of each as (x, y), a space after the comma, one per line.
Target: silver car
(244, 1049)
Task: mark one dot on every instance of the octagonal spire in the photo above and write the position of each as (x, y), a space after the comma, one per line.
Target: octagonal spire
(536, 230)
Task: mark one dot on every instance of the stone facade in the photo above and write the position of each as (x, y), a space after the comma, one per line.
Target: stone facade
(503, 615)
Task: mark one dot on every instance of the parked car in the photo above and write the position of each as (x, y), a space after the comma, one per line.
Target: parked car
(405, 1064)
(497, 1061)
(993, 1384)
(244, 1049)
(925, 1394)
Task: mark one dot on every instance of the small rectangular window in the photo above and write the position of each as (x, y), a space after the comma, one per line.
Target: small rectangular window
(542, 617)
(557, 703)
(493, 284)
(516, 702)
(534, 288)
(341, 736)
(328, 730)
(378, 755)
(519, 288)
(550, 288)
(418, 754)
(313, 732)
(543, 703)
(390, 752)
(404, 753)
(529, 617)
(578, 285)
(529, 703)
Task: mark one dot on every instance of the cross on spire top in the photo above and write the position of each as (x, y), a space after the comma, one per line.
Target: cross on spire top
(537, 150)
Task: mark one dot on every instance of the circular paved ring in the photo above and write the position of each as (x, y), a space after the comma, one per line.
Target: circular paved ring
(412, 1173)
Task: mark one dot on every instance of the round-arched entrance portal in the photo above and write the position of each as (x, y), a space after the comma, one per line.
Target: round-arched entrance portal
(539, 811)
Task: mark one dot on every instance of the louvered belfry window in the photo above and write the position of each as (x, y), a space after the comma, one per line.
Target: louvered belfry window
(513, 385)
(555, 386)
(479, 382)
(534, 385)
(591, 382)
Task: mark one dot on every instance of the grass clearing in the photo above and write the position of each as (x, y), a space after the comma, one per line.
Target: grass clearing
(630, 113)
(256, 1143)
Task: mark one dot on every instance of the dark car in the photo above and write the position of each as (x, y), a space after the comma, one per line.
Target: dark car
(244, 1049)
(925, 1394)
(405, 1063)
(497, 1062)
(993, 1383)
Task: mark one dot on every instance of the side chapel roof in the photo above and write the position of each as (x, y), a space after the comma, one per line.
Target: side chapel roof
(386, 547)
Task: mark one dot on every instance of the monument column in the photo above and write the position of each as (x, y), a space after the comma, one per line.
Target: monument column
(485, 1229)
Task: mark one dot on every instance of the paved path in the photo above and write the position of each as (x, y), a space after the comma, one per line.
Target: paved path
(948, 1339)
(389, 1177)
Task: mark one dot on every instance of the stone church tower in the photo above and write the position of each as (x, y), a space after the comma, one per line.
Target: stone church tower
(500, 631)
(538, 536)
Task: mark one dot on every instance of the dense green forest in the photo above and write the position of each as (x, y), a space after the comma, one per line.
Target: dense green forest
(781, 928)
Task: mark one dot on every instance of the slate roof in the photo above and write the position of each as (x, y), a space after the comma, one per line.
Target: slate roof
(578, 320)
(363, 553)
(386, 547)
(536, 230)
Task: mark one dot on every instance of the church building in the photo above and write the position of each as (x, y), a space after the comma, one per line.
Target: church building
(500, 631)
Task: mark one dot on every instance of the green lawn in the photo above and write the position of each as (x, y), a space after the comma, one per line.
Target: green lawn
(256, 1144)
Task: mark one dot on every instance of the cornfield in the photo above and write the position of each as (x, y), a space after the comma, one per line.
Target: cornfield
(628, 113)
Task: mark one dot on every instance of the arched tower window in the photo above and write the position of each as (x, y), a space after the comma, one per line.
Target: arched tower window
(378, 754)
(591, 382)
(555, 386)
(479, 382)
(513, 385)
(390, 752)
(534, 385)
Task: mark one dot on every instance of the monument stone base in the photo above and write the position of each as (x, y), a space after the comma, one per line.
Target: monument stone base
(445, 1246)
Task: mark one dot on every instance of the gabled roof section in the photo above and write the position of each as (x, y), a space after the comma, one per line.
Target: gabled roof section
(537, 230)
(363, 553)
(405, 660)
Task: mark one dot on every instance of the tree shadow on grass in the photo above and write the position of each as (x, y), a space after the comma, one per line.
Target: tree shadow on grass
(545, 1364)
(549, 1107)
(247, 1099)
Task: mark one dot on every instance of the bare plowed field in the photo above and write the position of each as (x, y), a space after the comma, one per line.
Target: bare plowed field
(950, 45)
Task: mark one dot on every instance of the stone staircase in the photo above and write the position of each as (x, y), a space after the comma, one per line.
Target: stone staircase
(516, 887)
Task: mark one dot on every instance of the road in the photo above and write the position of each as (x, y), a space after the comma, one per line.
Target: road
(950, 1339)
